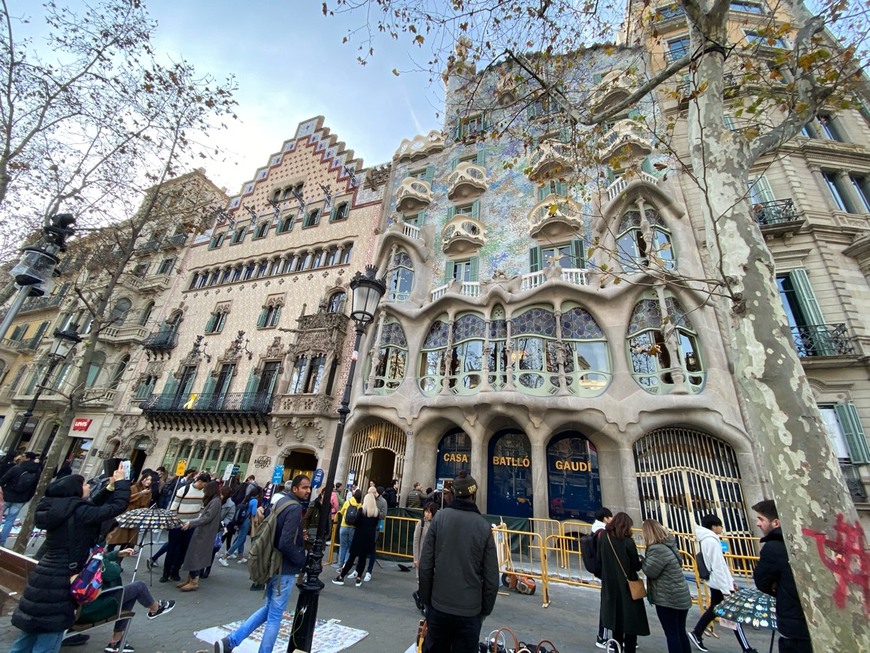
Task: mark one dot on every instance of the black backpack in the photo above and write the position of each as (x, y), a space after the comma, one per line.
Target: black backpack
(351, 514)
(25, 482)
(703, 569)
(589, 553)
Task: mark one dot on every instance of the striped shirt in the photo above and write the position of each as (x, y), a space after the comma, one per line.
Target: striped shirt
(187, 502)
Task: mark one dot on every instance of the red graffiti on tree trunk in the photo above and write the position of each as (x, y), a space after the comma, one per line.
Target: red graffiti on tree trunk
(850, 563)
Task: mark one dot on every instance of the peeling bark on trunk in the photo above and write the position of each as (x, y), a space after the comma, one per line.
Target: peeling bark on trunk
(783, 420)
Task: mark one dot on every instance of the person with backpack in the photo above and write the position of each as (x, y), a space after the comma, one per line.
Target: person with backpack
(348, 512)
(245, 513)
(19, 486)
(277, 553)
(592, 562)
(718, 578)
(365, 534)
(668, 592)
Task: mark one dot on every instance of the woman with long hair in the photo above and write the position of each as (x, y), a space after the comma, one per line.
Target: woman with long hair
(365, 534)
(420, 530)
(668, 592)
(623, 615)
(346, 530)
(140, 497)
(201, 549)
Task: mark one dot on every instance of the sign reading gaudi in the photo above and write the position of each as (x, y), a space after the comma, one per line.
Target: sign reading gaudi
(573, 483)
(572, 465)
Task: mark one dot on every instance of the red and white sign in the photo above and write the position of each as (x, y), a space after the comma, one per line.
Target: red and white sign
(81, 424)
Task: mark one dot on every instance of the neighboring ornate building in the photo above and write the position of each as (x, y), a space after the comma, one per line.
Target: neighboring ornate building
(253, 371)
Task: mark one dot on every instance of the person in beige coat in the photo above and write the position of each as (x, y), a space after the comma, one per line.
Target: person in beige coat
(140, 497)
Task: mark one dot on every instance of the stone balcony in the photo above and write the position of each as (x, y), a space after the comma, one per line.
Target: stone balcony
(155, 283)
(551, 160)
(466, 182)
(627, 139)
(614, 87)
(99, 397)
(420, 146)
(174, 242)
(555, 218)
(126, 334)
(465, 288)
(413, 195)
(462, 235)
(614, 189)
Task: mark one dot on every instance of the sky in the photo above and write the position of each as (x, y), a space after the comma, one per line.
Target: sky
(290, 65)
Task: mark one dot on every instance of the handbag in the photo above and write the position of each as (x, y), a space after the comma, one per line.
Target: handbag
(635, 587)
(496, 642)
(86, 585)
(421, 634)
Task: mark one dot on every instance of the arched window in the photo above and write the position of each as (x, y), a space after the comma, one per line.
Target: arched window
(392, 358)
(469, 332)
(340, 212)
(586, 360)
(400, 277)
(643, 240)
(433, 358)
(118, 374)
(652, 342)
(510, 474)
(498, 354)
(534, 352)
(94, 369)
(146, 314)
(337, 302)
(312, 219)
(573, 480)
(120, 311)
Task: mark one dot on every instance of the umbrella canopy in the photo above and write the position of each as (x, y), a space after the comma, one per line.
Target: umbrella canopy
(749, 606)
(149, 518)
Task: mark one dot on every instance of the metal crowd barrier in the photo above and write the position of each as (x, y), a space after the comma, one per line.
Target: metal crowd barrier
(522, 553)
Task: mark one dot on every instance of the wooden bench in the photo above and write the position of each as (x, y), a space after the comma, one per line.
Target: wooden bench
(14, 572)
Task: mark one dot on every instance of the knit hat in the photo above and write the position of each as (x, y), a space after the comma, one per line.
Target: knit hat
(67, 486)
(464, 487)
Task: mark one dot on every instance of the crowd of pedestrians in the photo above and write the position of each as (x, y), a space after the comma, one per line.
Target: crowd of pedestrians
(453, 554)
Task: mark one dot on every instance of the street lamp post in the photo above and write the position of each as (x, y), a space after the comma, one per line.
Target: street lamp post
(64, 342)
(367, 292)
(34, 272)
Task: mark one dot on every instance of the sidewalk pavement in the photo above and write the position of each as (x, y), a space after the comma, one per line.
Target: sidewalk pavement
(383, 607)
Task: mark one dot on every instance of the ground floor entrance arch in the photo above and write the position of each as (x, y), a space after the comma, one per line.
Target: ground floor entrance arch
(454, 455)
(573, 481)
(683, 474)
(299, 461)
(377, 453)
(510, 474)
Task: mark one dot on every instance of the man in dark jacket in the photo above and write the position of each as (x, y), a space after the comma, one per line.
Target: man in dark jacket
(290, 541)
(72, 524)
(773, 576)
(19, 484)
(458, 573)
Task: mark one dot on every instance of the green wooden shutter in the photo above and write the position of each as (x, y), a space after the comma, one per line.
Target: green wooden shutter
(185, 391)
(453, 163)
(277, 314)
(261, 322)
(535, 257)
(812, 313)
(171, 387)
(212, 320)
(474, 268)
(332, 213)
(475, 210)
(597, 77)
(543, 191)
(253, 381)
(449, 271)
(577, 253)
(208, 388)
(561, 188)
(481, 157)
(430, 174)
(39, 332)
(451, 212)
(856, 439)
(647, 166)
(457, 129)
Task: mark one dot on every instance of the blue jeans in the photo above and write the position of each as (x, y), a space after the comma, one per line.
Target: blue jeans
(345, 537)
(11, 511)
(37, 643)
(278, 591)
(239, 543)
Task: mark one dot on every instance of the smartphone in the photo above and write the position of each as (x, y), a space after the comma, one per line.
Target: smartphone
(125, 465)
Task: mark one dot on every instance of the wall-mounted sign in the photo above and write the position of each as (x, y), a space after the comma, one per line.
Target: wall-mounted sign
(450, 457)
(511, 461)
(81, 424)
(317, 481)
(278, 474)
(180, 467)
(572, 466)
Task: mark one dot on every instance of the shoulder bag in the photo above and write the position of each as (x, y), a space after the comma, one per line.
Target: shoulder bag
(635, 587)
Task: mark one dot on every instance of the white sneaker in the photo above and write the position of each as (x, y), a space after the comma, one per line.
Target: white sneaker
(352, 574)
(241, 561)
(367, 577)
(223, 562)
(232, 556)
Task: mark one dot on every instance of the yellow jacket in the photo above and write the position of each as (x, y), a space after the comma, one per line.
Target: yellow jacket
(350, 502)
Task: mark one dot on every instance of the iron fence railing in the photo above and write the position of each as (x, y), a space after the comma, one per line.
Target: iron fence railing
(775, 212)
(161, 340)
(213, 402)
(822, 340)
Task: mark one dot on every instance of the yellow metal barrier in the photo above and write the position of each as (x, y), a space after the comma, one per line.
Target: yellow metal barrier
(397, 539)
(517, 551)
(567, 564)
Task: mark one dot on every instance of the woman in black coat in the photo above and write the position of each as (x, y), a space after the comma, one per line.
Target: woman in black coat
(72, 524)
(620, 613)
(365, 535)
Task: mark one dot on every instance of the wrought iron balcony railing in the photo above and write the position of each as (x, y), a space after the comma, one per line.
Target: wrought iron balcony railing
(775, 212)
(815, 340)
(853, 481)
(161, 341)
(214, 402)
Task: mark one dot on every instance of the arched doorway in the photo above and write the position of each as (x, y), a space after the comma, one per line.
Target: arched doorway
(683, 474)
(454, 455)
(299, 461)
(573, 481)
(510, 474)
(377, 453)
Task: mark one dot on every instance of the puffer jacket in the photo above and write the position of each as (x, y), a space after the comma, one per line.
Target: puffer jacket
(10, 478)
(46, 605)
(773, 576)
(663, 569)
(711, 546)
(458, 565)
